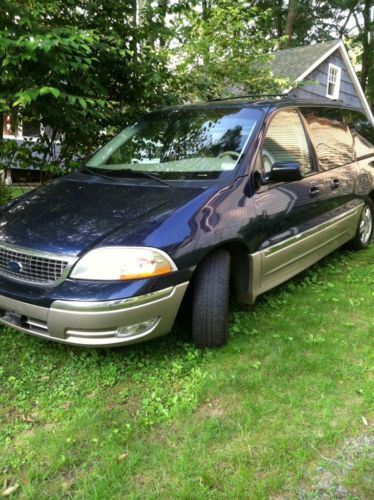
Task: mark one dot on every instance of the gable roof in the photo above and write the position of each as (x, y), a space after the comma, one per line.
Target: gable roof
(297, 63)
(291, 63)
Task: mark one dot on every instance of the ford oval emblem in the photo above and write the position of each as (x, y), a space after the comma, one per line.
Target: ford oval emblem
(14, 266)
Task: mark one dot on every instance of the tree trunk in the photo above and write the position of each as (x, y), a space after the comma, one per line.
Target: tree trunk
(370, 80)
(365, 45)
(290, 21)
(342, 30)
(278, 14)
(163, 7)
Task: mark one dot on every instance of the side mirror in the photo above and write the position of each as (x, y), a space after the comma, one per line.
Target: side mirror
(284, 172)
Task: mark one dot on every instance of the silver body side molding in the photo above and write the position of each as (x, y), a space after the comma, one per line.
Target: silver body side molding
(272, 266)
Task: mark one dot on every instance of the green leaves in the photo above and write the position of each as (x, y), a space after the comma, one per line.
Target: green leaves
(25, 97)
(82, 102)
(225, 52)
(81, 70)
(50, 90)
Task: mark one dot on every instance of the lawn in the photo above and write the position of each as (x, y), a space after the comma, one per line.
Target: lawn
(285, 410)
(16, 191)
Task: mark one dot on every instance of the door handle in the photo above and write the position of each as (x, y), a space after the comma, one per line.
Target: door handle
(314, 191)
(335, 184)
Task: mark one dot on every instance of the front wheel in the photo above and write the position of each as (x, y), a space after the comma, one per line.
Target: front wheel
(364, 231)
(211, 301)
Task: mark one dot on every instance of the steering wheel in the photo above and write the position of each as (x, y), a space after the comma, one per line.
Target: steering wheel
(229, 153)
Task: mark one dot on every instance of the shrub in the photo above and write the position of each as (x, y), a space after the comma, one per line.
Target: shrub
(4, 193)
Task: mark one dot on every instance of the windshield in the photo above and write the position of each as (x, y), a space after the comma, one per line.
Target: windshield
(188, 143)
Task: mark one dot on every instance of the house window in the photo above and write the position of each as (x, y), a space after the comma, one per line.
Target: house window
(8, 126)
(31, 129)
(333, 81)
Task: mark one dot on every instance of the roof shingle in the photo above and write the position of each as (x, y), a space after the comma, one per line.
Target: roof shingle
(291, 63)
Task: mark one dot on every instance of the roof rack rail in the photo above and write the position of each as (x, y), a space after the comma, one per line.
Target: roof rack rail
(246, 96)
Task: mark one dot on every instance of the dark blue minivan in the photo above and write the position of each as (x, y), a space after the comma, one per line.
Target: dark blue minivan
(239, 194)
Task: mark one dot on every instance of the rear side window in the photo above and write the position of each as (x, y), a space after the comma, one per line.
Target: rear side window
(285, 142)
(362, 132)
(331, 137)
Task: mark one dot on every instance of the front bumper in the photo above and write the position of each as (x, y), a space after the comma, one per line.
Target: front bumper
(97, 324)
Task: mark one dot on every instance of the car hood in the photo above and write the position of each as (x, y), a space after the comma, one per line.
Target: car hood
(77, 212)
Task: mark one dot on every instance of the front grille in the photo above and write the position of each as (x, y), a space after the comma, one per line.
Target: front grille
(30, 267)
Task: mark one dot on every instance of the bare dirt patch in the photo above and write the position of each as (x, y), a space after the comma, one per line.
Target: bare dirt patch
(210, 409)
(328, 479)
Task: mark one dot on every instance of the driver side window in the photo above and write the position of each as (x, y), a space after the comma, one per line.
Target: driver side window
(285, 142)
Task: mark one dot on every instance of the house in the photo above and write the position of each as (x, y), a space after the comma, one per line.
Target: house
(28, 131)
(327, 72)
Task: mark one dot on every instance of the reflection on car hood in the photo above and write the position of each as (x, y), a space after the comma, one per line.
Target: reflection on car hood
(77, 212)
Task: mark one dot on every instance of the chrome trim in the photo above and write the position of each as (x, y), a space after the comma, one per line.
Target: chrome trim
(37, 324)
(110, 305)
(95, 324)
(272, 266)
(44, 255)
(305, 254)
(39, 253)
(298, 237)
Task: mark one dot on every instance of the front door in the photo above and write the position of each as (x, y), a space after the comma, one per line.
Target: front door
(289, 215)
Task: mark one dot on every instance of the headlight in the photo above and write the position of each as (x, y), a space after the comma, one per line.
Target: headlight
(122, 263)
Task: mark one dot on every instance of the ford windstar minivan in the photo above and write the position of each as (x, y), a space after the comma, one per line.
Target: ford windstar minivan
(239, 193)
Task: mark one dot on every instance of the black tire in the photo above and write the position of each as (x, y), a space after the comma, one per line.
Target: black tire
(210, 301)
(363, 237)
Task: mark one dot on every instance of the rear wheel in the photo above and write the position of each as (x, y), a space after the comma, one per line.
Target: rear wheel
(211, 301)
(364, 231)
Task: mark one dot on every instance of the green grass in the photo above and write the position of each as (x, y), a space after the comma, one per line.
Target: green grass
(16, 191)
(164, 420)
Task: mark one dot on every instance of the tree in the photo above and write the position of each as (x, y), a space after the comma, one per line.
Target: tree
(83, 67)
(224, 51)
(290, 20)
(73, 66)
(366, 39)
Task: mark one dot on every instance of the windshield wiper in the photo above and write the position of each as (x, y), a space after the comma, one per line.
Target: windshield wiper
(139, 173)
(95, 171)
(142, 173)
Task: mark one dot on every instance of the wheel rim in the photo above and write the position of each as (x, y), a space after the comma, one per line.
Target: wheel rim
(366, 225)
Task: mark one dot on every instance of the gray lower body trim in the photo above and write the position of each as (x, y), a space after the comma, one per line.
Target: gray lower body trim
(96, 323)
(274, 265)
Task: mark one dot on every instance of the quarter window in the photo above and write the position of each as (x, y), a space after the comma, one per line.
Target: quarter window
(333, 81)
(285, 142)
(362, 132)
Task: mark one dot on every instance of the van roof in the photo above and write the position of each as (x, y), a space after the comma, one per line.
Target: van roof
(264, 102)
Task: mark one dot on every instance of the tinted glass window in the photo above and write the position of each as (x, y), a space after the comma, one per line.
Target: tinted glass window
(285, 141)
(183, 143)
(363, 133)
(331, 137)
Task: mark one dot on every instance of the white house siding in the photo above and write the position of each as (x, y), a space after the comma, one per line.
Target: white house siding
(347, 92)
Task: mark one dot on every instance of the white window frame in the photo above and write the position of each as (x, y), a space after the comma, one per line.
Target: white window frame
(335, 94)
